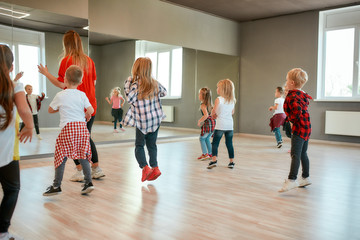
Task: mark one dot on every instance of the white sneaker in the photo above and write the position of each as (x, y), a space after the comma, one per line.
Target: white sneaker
(78, 176)
(288, 185)
(97, 173)
(115, 131)
(39, 137)
(303, 182)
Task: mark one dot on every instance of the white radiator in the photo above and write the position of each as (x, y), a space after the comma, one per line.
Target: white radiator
(342, 123)
(169, 112)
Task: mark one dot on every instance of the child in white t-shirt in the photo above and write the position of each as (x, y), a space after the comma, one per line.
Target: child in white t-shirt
(279, 116)
(74, 139)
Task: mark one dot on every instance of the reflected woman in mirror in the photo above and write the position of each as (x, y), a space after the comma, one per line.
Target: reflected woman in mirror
(73, 54)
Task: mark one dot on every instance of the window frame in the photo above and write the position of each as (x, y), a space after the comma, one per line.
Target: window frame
(36, 39)
(325, 26)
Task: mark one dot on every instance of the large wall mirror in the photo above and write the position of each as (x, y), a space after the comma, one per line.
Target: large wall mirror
(37, 38)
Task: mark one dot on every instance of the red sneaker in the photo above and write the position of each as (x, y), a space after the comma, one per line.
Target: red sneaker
(146, 171)
(154, 174)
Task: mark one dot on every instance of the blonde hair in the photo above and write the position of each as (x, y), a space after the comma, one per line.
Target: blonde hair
(227, 90)
(72, 47)
(27, 85)
(141, 72)
(299, 76)
(118, 90)
(74, 75)
(206, 95)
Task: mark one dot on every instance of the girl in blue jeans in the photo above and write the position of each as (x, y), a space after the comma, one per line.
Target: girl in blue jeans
(222, 112)
(206, 122)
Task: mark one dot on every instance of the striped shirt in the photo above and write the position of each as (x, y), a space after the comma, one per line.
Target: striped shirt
(144, 114)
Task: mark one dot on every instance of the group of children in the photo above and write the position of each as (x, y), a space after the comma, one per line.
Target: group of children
(293, 109)
(145, 113)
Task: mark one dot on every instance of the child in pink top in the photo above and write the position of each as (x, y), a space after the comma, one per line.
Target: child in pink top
(117, 101)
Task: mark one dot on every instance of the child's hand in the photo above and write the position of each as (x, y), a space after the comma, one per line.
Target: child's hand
(199, 123)
(107, 99)
(87, 116)
(43, 69)
(271, 108)
(214, 116)
(26, 134)
(18, 76)
(43, 94)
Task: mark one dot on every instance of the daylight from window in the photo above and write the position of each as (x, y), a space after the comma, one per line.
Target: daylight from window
(339, 63)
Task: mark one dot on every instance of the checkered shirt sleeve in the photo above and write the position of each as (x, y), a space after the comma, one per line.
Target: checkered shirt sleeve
(73, 142)
(144, 114)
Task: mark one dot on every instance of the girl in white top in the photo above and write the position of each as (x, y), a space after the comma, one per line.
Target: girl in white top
(223, 111)
(12, 98)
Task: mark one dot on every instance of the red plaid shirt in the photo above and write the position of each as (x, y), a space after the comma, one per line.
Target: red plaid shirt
(208, 126)
(296, 109)
(73, 142)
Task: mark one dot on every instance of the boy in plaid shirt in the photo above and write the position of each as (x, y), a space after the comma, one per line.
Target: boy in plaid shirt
(296, 109)
(74, 139)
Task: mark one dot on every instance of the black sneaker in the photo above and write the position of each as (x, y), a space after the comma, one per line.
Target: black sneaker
(52, 191)
(231, 165)
(88, 188)
(279, 145)
(212, 164)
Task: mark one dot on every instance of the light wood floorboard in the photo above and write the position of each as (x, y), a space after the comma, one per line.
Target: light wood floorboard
(189, 201)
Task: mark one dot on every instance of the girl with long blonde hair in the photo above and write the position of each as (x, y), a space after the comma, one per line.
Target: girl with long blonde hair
(223, 111)
(143, 94)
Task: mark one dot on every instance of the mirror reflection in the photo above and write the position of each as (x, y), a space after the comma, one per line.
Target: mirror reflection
(182, 70)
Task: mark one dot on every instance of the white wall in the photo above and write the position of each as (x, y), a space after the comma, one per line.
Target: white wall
(154, 20)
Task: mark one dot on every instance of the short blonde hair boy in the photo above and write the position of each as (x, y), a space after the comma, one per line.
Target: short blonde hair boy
(299, 76)
(74, 75)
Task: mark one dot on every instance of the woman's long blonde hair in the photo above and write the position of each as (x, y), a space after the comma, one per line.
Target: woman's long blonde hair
(72, 47)
(7, 97)
(141, 71)
(227, 90)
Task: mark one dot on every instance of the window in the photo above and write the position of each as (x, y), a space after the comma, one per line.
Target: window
(166, 64)
(338, 56)
(28, 49)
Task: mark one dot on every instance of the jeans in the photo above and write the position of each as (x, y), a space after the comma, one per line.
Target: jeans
(36, 124)
(10, 182)
(117, 114)
(277, 135)
(299, 154)
(94, 155)
(59, 172)
(205, 143)
(150, 140)
(228, 142)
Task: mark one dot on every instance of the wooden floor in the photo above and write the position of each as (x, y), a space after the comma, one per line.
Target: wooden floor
(189, 201)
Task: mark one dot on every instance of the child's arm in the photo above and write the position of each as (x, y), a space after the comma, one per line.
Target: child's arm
(51, 110)
(109, 101)
(216, 105)
(275, 107)
(44, 71)
(122, 102)
(205, 116)
(26, 116)
(88, 113)
(42, 96)
(130, 90)
(18, 76)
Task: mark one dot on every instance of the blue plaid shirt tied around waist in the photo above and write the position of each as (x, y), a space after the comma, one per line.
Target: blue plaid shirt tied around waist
(144, 114)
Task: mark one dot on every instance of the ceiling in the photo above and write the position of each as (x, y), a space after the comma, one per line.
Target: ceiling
(237, 10)
(247, 10)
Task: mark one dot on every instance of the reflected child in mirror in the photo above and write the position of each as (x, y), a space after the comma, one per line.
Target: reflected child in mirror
(117, 101)
(279, 116)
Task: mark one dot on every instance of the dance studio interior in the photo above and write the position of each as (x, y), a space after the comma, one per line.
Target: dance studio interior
(195, 44)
